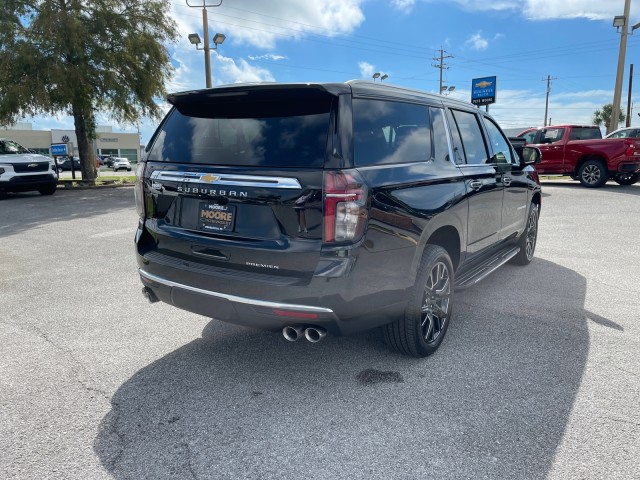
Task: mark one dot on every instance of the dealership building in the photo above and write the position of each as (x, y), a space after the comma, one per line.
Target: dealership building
(125, 145)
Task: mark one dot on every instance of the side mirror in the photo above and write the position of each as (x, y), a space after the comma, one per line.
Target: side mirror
(528, 155)
(531, 155)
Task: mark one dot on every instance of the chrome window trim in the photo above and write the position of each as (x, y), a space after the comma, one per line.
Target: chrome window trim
(234, 298)
(211, 178)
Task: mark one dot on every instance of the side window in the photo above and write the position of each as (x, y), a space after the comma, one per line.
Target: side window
(499, 145)
(471, 135)
(458, 150)
(440, 143)
(621, 134)
(551, 135)
(387, 132)
(585, 133)
(530, 136)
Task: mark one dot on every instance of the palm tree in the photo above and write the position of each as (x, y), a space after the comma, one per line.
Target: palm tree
(602, 116)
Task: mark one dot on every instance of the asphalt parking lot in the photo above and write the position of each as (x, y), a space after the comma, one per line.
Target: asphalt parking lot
(538, 376)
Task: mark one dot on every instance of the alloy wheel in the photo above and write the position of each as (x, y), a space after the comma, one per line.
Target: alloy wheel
(532, 230)
(591, 174)
(435, 304)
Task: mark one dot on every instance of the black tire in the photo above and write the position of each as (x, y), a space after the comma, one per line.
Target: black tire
(593, 174)
(627, 178)
(48, 190)
(528, 238)
(426, 319)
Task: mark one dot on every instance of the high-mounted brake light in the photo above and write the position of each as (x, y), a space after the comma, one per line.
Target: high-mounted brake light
(345, 214)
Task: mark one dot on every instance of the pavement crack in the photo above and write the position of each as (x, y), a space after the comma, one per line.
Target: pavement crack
(188, 458)
(621, 420)
(68, 354)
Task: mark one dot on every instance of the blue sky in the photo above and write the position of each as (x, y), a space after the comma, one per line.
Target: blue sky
(519, 41)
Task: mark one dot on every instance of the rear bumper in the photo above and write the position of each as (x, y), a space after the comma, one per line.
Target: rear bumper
(629, 167)
(344, 305)
(231, 308)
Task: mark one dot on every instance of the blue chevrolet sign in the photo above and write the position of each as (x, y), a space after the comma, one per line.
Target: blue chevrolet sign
(59, 149)
(483, 90)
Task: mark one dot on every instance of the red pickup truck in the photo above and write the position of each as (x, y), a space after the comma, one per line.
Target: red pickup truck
(582, 153)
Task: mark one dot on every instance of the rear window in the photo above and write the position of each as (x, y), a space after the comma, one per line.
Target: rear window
(246, 130)
(585, 133)
(390, 132)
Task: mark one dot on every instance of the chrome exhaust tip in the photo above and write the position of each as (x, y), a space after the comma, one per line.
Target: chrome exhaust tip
(315, 334)
(292, 332)
(149, 295)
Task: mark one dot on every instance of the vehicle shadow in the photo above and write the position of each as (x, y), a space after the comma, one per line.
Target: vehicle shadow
(608, 187)
(22, 211)
(493, 402)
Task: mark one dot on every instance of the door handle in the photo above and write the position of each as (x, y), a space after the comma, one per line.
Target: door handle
(506, 181)
(475, 184)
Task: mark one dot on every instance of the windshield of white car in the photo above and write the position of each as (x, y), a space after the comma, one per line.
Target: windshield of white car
(7, 147)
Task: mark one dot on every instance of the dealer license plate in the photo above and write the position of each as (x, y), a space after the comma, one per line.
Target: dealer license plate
(216, 218)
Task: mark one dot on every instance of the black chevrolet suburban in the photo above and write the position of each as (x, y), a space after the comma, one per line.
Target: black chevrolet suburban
(330, 208)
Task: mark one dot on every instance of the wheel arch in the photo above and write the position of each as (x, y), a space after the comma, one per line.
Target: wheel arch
(591, 156)
(445, 236)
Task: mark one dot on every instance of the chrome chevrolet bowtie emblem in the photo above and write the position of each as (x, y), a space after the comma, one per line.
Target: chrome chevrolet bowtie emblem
(32, 165)
(209, 178)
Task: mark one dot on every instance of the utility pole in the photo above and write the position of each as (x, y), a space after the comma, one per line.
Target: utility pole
(205, 32)
(617, 93)
(628, 122)
(441, 65)
(546, 105)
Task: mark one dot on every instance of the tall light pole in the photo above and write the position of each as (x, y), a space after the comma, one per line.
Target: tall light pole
(619, 21)
(194, 38)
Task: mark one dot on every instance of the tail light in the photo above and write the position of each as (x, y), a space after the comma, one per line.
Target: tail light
(345, 213)
(139, 189)
(630, 151)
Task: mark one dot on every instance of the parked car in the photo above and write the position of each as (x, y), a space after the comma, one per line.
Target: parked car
(582, 153)
(630, 132)
(66, 164)
(121, 164)
(108, 161)
(330, 208)
(23, 171)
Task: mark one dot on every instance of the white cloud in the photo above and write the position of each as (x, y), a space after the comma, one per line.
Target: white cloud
(477, 42)
(403, 5)
(366, 69)
(551, 9)
(230, 71)
(268, 56)
(262, 24)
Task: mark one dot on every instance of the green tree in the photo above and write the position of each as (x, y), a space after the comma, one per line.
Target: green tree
(83, 57)
(603, 115)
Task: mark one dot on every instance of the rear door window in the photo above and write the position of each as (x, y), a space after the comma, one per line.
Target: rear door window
(585, 133)
(386, 132)
(471, 136)
(266, 133)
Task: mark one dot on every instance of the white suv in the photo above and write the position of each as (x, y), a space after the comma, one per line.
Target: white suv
(120, 163)
(23, 171)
